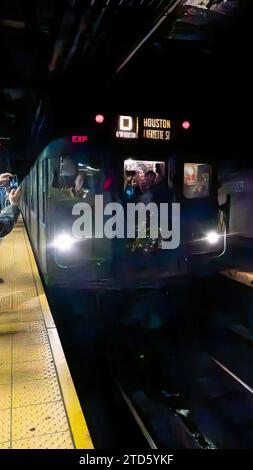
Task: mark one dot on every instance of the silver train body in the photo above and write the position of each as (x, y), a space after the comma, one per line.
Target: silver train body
(49, 196)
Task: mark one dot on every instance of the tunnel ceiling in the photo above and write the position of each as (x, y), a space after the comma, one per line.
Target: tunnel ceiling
(71, 50)
(43, 38)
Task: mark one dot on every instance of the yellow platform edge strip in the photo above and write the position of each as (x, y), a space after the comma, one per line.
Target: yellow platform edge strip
(77, 421)
(239, 276)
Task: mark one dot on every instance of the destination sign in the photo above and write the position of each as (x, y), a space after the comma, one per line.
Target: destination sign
(158, 129)
(135, 127)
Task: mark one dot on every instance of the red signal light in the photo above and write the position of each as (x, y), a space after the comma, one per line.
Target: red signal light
(186, 125)
(99, 118)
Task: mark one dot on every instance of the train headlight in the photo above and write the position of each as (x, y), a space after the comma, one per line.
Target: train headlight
(63, 242)
(212, 237)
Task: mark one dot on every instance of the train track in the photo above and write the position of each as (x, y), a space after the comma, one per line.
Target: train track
(231, 374)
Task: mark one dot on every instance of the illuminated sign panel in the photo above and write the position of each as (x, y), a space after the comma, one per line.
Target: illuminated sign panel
(158, 129)
(79, 138)
(133, 127)
(127, 127)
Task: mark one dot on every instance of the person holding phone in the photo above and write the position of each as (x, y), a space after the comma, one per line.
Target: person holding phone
(9, 215)
(132, 188)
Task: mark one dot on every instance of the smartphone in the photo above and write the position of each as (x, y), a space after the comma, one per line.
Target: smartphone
(13, 182)
(158, 168)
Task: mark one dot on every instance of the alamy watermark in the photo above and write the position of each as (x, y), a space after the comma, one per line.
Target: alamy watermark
(133, 220)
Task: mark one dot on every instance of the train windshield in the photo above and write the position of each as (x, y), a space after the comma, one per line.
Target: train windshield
(142, 178)
(77, 179)
(197, 180)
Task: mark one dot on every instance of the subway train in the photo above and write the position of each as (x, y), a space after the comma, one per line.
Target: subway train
(77, 196)
(236, 195)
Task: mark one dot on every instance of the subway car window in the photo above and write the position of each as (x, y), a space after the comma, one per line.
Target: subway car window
(68, 172)
(76, 178)
(197, 180)
(32, 183)
(142, 175)
(43, 176)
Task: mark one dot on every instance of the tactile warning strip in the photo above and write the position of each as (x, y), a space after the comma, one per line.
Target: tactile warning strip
(59, 440)
(36, 420)
(5, 420)
(39, 408)
(25, 393)
(5, 396)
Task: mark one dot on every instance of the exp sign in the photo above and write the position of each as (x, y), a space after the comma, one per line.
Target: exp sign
(79, 139)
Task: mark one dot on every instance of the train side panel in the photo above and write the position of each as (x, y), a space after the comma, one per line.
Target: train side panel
(237, 192)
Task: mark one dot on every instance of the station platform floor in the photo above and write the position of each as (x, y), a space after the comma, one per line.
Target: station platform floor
(245, 277)
(39, 407)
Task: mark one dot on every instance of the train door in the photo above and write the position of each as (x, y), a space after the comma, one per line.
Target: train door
(26, 205)
(26, 202)
(42, 208)
(236, 194)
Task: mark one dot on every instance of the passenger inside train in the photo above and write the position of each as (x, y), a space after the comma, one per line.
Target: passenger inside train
(74, 180)
(197, 180)
(132, 187)
(79, 190)
(143, 180)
